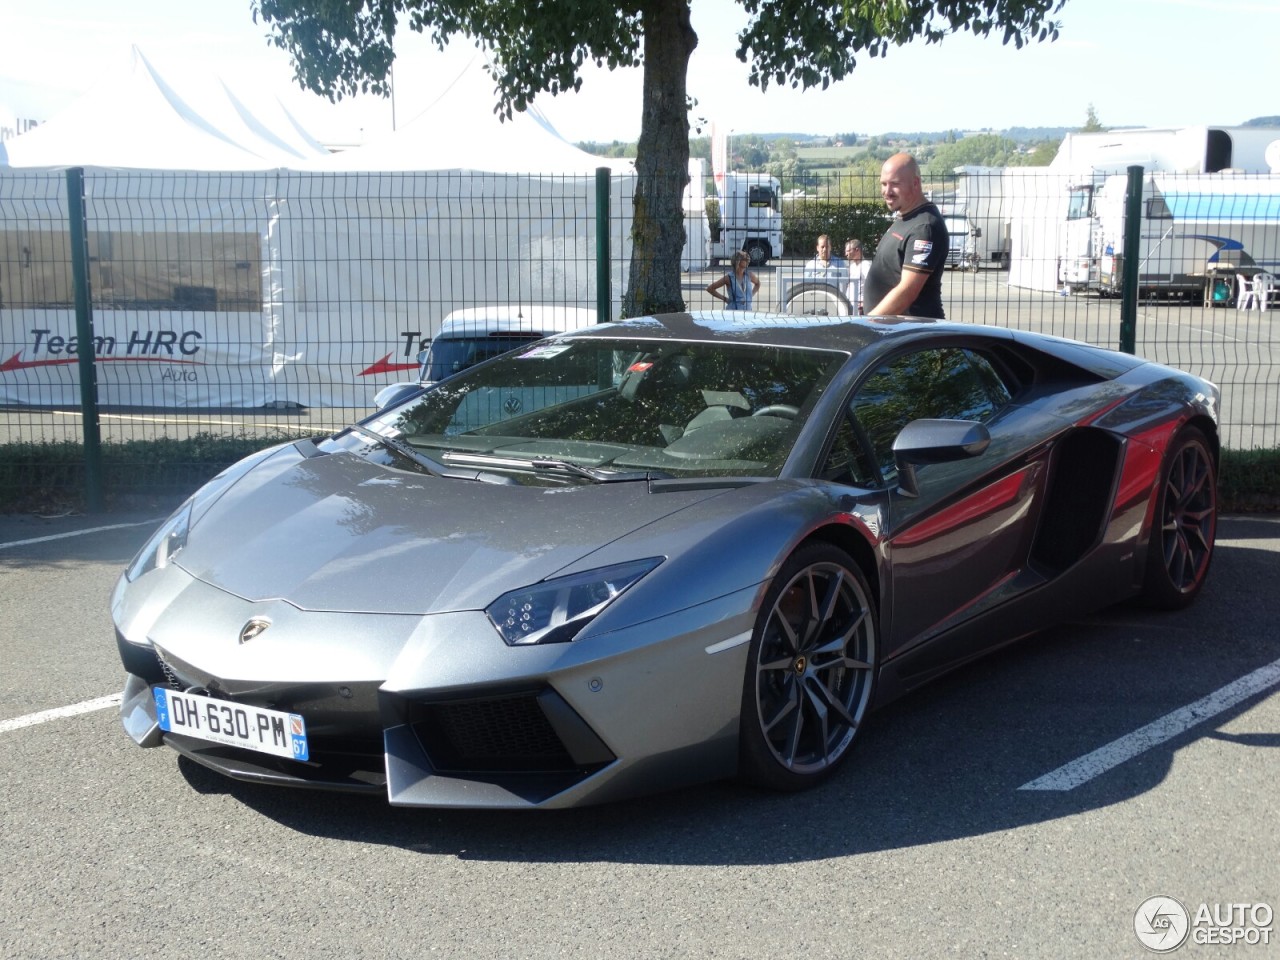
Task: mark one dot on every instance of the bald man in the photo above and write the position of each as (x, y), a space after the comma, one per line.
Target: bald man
(905, 278)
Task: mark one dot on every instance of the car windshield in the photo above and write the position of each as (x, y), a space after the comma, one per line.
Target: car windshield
(449, 355)
(657, 408)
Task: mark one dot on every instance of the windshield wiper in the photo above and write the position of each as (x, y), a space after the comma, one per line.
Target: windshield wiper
(433, 467)
(594, 474)
(598, 474)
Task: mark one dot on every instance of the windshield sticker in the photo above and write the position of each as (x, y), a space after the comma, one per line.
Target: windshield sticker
(545, 350)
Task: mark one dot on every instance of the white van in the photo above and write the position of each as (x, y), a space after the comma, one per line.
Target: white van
(477, 333)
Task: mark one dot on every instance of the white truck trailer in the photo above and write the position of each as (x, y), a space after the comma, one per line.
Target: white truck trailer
(1087, 160)
(1192, 227)
(983, 196)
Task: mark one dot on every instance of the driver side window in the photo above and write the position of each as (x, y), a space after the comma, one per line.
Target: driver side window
(941, 384)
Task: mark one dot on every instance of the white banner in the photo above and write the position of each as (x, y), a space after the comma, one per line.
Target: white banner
(143, 358)
(280, 288)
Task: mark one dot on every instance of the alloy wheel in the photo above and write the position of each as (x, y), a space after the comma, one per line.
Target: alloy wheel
(814, 667)
(1189, 516)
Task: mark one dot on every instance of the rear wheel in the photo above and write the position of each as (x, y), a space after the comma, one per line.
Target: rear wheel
(1186, 522)
(812, 665)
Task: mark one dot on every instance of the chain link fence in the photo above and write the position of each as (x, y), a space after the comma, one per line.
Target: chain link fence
(228, 308)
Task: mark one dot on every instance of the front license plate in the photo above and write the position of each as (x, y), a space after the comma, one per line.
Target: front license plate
(233, 724)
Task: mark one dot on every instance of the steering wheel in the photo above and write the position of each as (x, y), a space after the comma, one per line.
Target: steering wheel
(784, 410)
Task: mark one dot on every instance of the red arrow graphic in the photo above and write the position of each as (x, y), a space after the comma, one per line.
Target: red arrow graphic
(17, 363)
(386, 366)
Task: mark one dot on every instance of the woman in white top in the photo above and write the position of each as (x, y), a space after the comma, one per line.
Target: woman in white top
(858, 269)
(739, 284)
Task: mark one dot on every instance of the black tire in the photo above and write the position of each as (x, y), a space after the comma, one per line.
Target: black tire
(758, 252)
(1185, 524)
(811, 670)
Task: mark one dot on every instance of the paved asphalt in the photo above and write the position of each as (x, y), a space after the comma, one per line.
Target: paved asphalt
(923, 846)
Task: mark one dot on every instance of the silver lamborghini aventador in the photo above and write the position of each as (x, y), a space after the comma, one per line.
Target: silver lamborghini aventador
(659, 551)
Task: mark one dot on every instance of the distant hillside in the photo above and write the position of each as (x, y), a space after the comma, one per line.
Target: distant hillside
(1020, 135)
(1037, 134)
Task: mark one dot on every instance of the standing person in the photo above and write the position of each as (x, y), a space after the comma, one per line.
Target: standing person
(740, 284)
(823, 263)
(858, 268)
(906, 272)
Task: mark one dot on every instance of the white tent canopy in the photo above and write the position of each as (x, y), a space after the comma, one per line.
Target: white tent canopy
(236, 263)
(461, 131)
(149, 121)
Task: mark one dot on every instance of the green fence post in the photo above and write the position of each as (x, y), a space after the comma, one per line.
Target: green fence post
(1129, 275)
(604, 288)
(79, 225)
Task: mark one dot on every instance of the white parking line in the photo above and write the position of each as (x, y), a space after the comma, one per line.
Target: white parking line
(318, 427)
(76, 533)
(1083, 769)
(58, 713)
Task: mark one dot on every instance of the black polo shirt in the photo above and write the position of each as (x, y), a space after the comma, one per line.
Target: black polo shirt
(918, 241)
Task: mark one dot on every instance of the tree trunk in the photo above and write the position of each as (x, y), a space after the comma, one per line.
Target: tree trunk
(662, 161)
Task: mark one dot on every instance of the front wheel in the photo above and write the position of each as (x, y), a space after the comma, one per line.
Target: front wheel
(1186, 522)
(810, 671)
(758, 252)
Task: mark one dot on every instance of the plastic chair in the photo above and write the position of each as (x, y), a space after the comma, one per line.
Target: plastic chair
(1265, 290)
(1245, 298)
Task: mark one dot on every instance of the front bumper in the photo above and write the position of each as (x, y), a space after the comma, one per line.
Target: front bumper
(437, 710)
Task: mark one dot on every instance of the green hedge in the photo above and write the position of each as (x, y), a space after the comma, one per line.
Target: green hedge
(805, 219)
(1249, 481)
(46, 476)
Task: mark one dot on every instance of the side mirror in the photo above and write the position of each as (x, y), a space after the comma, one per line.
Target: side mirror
(935, 441)
(391, 395)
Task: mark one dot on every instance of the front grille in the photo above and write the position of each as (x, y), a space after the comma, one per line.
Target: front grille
(510, 733)
(344, 732)
(169, 673)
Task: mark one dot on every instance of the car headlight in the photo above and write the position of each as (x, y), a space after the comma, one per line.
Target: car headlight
(555, 611)
(163, 546)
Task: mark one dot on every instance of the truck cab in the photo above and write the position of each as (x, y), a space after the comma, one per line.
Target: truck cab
(1078, 264)
(962, 252)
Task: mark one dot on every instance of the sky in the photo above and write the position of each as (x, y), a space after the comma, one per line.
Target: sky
(1136, 62)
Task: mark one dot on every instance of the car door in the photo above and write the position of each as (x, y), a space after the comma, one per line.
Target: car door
(959, 547)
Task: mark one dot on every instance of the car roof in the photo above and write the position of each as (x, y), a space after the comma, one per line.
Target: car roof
(529, 318)
(846, 334)
(867, 336)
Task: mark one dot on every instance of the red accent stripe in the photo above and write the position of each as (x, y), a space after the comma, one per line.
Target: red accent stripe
(986, 501)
